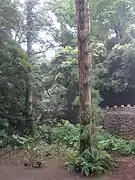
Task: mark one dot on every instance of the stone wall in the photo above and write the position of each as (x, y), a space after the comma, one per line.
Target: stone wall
(120, 121)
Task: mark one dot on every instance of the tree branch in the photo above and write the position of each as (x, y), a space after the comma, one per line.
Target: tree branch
(44, 51)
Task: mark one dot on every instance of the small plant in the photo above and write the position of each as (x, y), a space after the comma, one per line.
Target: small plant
(90, 163)
(115, 144)
(66, 133)
(18, 140)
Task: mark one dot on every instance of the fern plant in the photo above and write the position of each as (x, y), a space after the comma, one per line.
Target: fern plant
(90, 163)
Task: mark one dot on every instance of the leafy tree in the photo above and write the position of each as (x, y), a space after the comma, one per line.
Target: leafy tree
(65, 31)
(9, 18)
(121, 66)
(14, 70)
(35, 25)
(113, 17)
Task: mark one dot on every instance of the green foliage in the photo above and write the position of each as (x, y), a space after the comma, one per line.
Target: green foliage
(61, 82)
(18, 140)
(66, 139)
(67, 136)
(65, 14)
(56, 85)
(121, 66)
(112, 17)
(112, 23)
(13, 74)
(114, 144)
(66, 133)
(96, 162)
(37, 143)
(31, 141)
(90, 163)
(9, 16)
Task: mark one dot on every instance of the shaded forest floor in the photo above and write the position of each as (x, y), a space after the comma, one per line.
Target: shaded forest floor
(11, 168)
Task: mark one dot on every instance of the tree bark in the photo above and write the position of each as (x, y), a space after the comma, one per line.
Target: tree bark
(85, 68)
(29, 37)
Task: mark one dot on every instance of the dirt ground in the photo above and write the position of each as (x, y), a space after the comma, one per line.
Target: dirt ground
(12, 169)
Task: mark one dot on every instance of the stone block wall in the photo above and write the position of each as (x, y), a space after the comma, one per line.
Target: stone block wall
(120, 121)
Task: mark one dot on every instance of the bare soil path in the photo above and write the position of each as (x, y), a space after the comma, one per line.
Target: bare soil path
(12, 169)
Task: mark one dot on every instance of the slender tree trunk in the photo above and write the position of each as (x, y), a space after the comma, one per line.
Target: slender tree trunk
(85, 67)
(29, 10)
(29, 37)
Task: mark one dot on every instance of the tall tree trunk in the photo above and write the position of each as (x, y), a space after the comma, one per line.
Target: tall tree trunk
(85, 68)
(29, 37)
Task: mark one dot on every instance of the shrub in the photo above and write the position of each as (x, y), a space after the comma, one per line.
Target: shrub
(89, 163)
(114, 144)
(67, 137)
(40, 133)
(66, 133)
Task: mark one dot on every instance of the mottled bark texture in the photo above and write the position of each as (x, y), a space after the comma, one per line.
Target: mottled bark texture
(85, 68)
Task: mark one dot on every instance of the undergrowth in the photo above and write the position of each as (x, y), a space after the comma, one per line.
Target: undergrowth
(63, 140)
(99, 160)
(114, 144)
